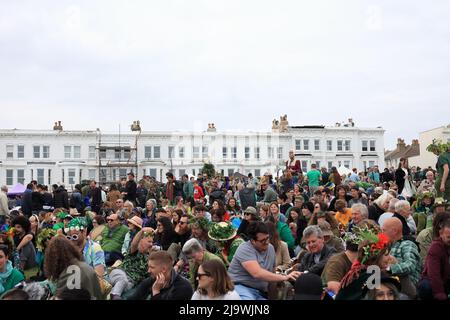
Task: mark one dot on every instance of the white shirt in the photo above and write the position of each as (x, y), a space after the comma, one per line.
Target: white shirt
(383, 217)
(230, 295)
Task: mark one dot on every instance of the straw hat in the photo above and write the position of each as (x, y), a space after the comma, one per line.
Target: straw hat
(222, 231)
(136, 221)
(74, 212)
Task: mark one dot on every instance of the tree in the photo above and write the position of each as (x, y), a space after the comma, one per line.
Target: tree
(208, 168)
(438, 147)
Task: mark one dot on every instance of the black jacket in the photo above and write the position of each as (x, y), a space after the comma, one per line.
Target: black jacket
(27, 202)
(178, 289)
(308, 263)
(37, 200)
(130, 189)
(60, 198)
(247, 198)
(96, 196)
(216, 195)
(405, 231)
(375, 212)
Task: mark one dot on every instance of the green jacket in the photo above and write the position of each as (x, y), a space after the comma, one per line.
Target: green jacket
(285, 234)
(112, 241)
(188, 189)
(193, 267)
(15, 277)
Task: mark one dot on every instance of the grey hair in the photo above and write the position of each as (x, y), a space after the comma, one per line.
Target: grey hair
(392, 204)
(191, 246)
(4, 189)
(362, 208)
(128, 202)
(313, 230)
(382, 199)
(401, 205)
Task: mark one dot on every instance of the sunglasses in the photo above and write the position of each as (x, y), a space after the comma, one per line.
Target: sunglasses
(182, 222)
(110, 220)
(72, 238)
(200, 275)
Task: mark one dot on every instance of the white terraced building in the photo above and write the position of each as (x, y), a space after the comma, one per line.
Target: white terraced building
(67, 157)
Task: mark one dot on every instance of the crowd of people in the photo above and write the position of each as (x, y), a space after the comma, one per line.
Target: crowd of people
(313, 235)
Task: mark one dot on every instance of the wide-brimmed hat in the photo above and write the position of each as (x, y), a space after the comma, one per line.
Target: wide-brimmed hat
(308, 287)
(63, 215)
(74, 212)
(77, 224)
(252, 211)
(440, 202)
(386, 278)
(222, 231)
(136, 221)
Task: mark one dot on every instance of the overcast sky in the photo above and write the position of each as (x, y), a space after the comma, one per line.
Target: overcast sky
(178, 65)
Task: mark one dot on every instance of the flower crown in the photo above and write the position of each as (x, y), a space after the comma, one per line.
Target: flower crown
(376, 242)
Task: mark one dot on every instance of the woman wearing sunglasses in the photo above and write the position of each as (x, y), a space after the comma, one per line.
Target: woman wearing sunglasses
(214, 283)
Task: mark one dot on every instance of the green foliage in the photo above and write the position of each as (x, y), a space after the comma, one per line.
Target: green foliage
(208, 168)
(438, 147)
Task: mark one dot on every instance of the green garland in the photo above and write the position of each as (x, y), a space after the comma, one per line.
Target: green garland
(221, 230)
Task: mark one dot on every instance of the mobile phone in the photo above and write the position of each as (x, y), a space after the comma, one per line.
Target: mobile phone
(331, 294)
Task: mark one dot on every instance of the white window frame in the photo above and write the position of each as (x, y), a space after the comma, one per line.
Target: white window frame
(280, 153)
(9, 151)
(181, 152)
(364, 145)
(20, 155)
(171, 152)
(21, 178)
(92, 174)
(196, 152)
(348, 145)
(316, 144)
(156, 152)
(38, 153)
(247, 152)
(374, 143)
(40, 178)
(9, 177)
(329, 145)
(234, 152)
(91, 152)
(298, 144)
(270, 152)
(46, 155)
(148, 152)
(257, 152)
(306, 144)
(76, 155)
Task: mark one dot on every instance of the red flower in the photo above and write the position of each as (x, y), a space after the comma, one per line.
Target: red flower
(383, 241)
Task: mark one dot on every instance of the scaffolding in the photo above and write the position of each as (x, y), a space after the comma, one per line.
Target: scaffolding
(116, 158)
